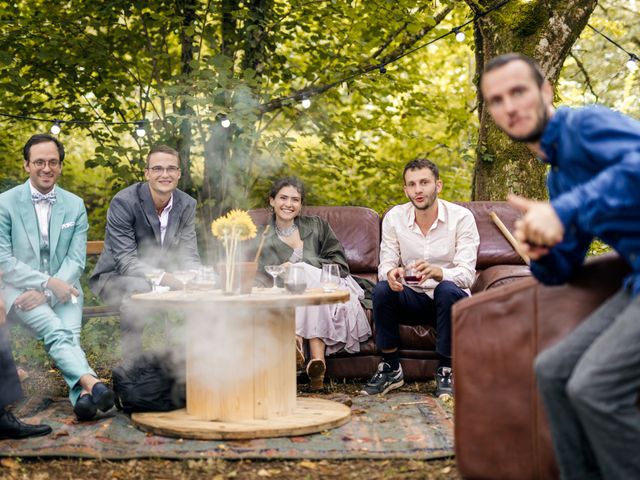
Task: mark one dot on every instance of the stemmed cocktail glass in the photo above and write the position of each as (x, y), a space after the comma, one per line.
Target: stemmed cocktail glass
(185, 276)
(274, 271)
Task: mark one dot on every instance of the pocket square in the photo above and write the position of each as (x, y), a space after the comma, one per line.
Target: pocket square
(67, 225)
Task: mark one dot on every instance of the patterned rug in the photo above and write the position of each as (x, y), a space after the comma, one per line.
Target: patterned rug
(399, 425)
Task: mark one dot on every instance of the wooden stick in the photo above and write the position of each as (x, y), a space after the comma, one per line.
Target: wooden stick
(510, 238)
(264, 235)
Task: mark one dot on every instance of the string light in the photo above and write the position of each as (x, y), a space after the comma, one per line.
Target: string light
(632, 63)
(140, 130)
(55, 128)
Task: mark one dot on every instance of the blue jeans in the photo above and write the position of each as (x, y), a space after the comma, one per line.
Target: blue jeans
(412, 308)
(589, 384)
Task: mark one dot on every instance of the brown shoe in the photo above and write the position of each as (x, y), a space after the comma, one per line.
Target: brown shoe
(315, 372)
(299, 356)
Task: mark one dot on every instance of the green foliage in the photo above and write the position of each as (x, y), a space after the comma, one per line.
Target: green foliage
(598, 247)
(595, 72)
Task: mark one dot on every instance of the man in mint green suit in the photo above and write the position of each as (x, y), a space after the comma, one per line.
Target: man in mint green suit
(43, 234)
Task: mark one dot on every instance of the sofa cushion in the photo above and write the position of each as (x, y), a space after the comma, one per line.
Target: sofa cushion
(357, 228)
(494, 249)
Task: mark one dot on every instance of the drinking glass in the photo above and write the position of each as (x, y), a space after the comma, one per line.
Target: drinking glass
(411, 275)
(185, 276)
(153, 277)
(296, 281)
(274, 271)
(330, 278)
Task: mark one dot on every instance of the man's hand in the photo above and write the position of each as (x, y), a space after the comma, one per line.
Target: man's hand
(169, 280)
(61, 289)
(393, 277)
(426, 271)
(539, 229)
(29, 300)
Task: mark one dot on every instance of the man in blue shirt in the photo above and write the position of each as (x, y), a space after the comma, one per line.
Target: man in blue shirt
(589, 381)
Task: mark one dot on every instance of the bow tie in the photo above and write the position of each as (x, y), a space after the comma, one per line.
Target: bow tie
(46, 197)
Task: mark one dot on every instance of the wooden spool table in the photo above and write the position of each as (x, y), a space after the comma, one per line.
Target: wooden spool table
(241, 367)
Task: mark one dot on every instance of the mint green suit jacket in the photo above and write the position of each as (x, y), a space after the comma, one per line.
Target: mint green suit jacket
(20, 242)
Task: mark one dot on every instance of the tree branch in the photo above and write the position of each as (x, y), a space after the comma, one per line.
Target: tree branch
(584, 72)
(362, 69)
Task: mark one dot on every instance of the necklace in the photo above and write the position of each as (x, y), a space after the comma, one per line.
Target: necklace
(286, 232)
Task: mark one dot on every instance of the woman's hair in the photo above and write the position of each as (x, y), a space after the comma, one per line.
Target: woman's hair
(287, 182)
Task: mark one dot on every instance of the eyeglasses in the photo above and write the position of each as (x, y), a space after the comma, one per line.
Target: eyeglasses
(157, 170)
(41, 163)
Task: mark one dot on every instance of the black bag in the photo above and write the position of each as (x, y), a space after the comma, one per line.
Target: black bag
(151, 383)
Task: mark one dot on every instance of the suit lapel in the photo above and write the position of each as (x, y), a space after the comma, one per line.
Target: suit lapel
(150, 210)
(29, 219)
(174, 220)
(55, 223)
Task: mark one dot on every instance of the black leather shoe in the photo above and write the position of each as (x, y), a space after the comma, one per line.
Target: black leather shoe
(84, 408)
(11, 427)
(102, 396)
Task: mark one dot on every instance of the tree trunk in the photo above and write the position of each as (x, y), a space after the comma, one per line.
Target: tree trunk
(187, 8)
(545, 30)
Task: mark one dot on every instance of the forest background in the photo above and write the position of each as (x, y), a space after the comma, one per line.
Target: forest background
(379, 95)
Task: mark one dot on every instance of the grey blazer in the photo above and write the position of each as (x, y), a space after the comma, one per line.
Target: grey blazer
(132, 238)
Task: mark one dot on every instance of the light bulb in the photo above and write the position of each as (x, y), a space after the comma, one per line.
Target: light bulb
(140, 131)
(55, 128)
(306, 102)
(225, 122)
(632, 64)
(460, 36)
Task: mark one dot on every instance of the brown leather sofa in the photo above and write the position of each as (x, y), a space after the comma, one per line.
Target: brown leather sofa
(358, 229)
(500, 428)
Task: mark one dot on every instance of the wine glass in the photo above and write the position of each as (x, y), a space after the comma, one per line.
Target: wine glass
(185, 276)
(296, 281)
(411, 275)
(330, 277)
(274, 271)
(153, 277)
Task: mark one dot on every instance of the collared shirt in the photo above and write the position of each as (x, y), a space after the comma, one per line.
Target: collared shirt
(164, 219)
(43, 212)
(594, 186)
(451, 244)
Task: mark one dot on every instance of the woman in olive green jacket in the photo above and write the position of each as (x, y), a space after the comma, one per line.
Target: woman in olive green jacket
(309, 240)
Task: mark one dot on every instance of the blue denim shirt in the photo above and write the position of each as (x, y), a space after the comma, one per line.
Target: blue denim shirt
(594, 186)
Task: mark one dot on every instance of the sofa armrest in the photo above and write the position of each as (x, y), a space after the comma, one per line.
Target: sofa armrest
(500, 427)
(499, 275)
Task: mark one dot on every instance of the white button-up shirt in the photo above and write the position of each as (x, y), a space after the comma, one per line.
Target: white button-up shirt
(451, 244)
(43, 211)
(164, 219)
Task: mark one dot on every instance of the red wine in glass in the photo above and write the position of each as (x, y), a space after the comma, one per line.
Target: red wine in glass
(412, 279)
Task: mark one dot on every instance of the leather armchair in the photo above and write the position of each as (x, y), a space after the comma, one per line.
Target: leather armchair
(500, 428)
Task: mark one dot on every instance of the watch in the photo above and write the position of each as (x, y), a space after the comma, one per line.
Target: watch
(47, 293)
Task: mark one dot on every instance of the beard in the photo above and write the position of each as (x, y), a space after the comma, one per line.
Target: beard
(429, 201)
(536, 134)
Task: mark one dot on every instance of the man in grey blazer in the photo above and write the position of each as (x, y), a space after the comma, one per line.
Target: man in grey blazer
(150, 229)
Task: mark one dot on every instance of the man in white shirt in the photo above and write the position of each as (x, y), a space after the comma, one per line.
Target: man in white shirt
(150, 230)
(43, 241)
(432, 245)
